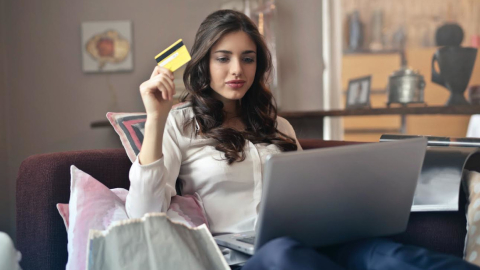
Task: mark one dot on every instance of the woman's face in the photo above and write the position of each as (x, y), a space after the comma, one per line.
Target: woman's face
(233, 62)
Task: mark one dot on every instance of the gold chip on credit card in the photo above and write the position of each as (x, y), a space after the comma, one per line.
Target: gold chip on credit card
(174, 56)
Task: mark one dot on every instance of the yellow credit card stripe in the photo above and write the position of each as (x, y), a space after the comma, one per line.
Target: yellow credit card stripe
(167, 49)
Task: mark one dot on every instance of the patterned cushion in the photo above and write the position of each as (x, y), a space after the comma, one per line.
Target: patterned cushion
(130, 127)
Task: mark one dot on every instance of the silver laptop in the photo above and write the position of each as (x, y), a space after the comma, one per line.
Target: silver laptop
(334, 195)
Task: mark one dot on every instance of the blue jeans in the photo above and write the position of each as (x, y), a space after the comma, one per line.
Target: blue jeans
(370, 254)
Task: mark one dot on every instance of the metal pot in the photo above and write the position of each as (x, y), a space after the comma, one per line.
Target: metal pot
(405, 86)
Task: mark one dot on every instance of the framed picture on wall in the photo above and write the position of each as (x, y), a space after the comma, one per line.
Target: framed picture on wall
(107, 46)
(358, 93)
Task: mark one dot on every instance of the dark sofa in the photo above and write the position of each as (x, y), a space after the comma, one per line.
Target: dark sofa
(44, 180)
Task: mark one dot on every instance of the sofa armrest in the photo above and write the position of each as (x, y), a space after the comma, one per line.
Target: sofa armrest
(42, 182)
(437, 231)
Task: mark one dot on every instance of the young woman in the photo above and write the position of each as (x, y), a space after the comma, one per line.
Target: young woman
(217, 141)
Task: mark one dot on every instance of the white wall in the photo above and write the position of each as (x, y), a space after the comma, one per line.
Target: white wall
(299, 54)
(52, 102)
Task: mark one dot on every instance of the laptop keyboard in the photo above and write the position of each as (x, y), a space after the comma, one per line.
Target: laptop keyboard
(248, 240)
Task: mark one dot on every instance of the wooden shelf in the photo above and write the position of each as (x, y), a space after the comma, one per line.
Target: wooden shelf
(451, 110)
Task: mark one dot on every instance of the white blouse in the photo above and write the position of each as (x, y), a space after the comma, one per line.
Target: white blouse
(230, 194)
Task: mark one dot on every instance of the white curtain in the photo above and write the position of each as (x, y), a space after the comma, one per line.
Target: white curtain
(332, 58)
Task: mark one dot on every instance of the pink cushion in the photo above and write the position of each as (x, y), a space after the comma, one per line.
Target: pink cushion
(64, 213)
(93, 206)
(187, 209)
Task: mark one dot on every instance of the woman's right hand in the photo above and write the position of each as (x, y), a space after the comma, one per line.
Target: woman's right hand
(157, 93)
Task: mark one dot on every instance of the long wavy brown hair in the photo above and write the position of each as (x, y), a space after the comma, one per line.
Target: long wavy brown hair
(258, 110)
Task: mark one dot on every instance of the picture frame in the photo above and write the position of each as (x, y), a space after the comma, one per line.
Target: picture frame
(106, 46)
(358, 93)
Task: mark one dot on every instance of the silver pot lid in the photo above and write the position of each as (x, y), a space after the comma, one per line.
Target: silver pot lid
(405, 71)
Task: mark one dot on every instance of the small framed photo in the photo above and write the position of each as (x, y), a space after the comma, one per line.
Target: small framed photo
(358, 93)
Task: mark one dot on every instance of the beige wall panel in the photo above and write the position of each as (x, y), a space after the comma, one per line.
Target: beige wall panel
(380, 66)
(378, 100)
(475, 80)
(382, 121)
(438, 125)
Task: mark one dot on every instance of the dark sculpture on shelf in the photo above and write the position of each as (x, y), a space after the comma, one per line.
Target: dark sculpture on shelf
(449, 34)
(456, 65)
(455, 62)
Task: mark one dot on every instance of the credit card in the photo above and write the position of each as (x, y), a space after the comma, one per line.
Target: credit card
(174, 56)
